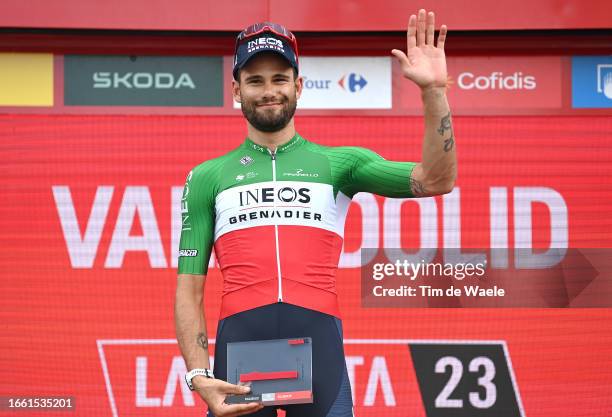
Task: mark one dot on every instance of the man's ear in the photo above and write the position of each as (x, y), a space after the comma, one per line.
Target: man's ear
(299, 85)
(236, 91)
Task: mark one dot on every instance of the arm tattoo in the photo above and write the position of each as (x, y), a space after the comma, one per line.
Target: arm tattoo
(202, 341)
(417, 188)
(445, 124)
(449, 143)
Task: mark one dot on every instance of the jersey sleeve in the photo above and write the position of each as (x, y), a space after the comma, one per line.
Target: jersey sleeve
(370, 172)
(197, 222)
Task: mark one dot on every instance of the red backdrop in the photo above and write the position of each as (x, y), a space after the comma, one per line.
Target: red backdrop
(84, 315)
(313, 15)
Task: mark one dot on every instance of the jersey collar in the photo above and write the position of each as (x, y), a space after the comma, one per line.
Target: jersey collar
(292, 144)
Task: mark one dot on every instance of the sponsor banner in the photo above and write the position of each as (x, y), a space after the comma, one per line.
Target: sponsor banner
(592, 82)
(398, 377)
(497, 83)
(143, 81)
(345, 83)
(481, 380)
(26, 79)
(91, 214)
(201, 85)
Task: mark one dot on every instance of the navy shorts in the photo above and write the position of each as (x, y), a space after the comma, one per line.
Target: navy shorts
(331, 386)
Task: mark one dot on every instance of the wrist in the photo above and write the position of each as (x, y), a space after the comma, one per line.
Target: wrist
(201, 381)
(195, 373)
(435, 91)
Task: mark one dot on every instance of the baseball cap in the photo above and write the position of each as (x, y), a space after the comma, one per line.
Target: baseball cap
(263, 37)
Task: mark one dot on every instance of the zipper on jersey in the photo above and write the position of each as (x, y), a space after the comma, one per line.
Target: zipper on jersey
(278, 265)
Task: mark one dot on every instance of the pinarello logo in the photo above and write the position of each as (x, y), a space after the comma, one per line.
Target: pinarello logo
(352, 82)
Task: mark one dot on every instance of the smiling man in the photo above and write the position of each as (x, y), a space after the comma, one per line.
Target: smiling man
(274, 210)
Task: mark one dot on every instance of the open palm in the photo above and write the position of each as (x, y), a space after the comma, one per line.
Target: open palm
(424, 63)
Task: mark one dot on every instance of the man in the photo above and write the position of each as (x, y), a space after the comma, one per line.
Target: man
(274, 208)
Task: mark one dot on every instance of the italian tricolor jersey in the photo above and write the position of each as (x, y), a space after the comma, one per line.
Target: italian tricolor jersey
(276, 219)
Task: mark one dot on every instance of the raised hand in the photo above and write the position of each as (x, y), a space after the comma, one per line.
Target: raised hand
(424, 63)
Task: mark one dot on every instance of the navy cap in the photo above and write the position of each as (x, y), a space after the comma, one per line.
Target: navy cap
(264, 39)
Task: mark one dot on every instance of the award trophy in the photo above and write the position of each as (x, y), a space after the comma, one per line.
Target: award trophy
(278, 371)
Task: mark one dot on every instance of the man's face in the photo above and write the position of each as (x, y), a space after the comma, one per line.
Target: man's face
(267, 92)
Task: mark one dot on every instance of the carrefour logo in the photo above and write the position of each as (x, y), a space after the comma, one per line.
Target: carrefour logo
(346, 83)
(352, 82)
(314, 84)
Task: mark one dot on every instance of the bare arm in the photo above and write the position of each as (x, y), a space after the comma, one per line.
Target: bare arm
(437, 171)
(190, 322)
(424, 63)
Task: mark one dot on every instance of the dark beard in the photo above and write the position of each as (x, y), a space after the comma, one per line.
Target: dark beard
(269, 122)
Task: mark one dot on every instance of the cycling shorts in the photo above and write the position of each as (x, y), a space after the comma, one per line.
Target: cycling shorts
(331, 386)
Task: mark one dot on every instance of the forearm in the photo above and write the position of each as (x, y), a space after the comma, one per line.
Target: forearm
(190, 325)
(439, 160)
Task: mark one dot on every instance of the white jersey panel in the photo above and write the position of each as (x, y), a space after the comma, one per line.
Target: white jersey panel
(283, 203)
(342, 206)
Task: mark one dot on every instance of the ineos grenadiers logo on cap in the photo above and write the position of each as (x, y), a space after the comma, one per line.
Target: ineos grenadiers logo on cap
(265, 43)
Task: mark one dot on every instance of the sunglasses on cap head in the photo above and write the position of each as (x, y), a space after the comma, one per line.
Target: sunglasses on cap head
(275, 28)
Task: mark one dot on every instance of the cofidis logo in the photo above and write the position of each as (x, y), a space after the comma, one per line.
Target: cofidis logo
(592, 82)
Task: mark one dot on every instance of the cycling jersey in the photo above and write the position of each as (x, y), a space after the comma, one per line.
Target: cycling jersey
(276, 219)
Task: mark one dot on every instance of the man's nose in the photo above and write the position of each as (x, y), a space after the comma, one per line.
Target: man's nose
(269, 89)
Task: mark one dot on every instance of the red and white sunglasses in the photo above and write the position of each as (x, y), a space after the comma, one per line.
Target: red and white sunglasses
(274, 28)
